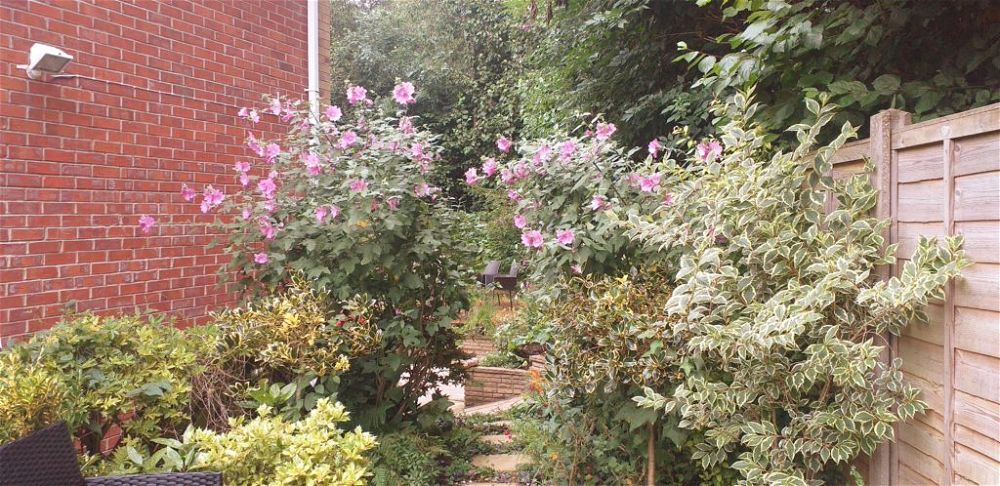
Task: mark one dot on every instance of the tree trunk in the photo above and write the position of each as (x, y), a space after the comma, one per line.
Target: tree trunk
(651, 453)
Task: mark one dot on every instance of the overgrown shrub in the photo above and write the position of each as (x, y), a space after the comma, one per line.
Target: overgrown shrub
(607, 343)
(298, 340)
(265, 450)
(344, 199)
(99, 372)
(408, 457)
(781, 304)
(776, 313)
(563, 189)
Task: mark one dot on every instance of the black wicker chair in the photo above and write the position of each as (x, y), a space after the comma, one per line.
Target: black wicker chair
(508, 283)
(492, 268)
(47, 458)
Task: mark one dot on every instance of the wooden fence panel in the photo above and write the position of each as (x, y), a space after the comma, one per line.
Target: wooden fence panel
(936, 178)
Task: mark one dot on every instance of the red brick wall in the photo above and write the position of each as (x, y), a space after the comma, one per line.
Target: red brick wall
(82, 159)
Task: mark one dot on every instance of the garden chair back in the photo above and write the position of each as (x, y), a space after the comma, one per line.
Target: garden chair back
(488, 275)
(47, 458)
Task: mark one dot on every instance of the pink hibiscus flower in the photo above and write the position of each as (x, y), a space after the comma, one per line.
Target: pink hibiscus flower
(532, 239)
(267, 187)
(520, 221)
(506, 176)
(358, 185)
(423, 190)
(567, 149)
(513, 195)
(471, 177)
(521, 171)
(406, 125)
(146, 223)
(313, 165)
(211, 198)
(565, 237)
(347, 139)
(271, 152)
(333, 113)
(403, 93)
(187, 193)
(489, 167)
(260, 258)
(503, 143)
(267, 228)
(605, 130)
(598, 202)
(709, 151)
(653, 147)
(649, 184)
(356, 94)
(242, 166)
(321, 213)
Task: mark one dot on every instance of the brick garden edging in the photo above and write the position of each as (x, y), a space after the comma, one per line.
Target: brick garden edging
(478, 345)
(486, 384)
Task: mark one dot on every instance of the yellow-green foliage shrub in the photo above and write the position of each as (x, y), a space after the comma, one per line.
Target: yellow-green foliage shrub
(266, 450)
(299, 337)
(97, 372)
(298, 331)
(26, 398)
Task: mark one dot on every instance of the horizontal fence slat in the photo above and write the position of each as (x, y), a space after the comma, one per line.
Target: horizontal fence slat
(978, 153)
(982, 240)
(921, 202)
(977, 197)
(975, 466)
(978, 287)
(977, 413)
(978, 331)
(975, 374)
(972, 122)
(920, 163)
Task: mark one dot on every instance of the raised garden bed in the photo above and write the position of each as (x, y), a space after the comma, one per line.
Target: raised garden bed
(487, 384)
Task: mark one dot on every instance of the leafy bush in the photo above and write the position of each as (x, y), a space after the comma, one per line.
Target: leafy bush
(286, 351)
(346, 202)
(779, 302)
(930, 58)
(265, 450)
(99, 372)
(503, 359)
(608, 341)
(774, 310)
(563, 188)
(408, 457)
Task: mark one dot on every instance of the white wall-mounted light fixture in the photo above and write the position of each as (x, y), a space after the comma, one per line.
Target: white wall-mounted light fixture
(45, 59)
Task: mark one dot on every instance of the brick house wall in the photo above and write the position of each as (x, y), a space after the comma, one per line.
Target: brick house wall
(154, 106)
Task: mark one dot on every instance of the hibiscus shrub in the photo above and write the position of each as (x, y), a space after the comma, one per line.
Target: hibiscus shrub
(563, 190)
(344, 199)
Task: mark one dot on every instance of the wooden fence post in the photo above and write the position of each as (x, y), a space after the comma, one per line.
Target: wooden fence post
(883, 467)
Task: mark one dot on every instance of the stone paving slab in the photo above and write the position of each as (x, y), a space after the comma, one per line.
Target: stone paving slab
(501, 462)
(497, 439)
(494, 407)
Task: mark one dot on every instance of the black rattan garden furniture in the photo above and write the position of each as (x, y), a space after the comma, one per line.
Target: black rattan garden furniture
(492, 268)
(47, 458)
(508, 283)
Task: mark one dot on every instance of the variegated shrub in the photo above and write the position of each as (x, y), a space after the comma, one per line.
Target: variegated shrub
(782, 305)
